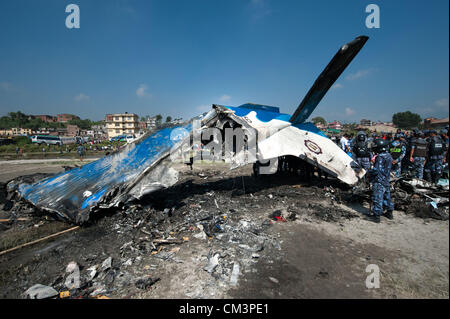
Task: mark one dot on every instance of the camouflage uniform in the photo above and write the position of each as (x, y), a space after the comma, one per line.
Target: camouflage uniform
(419, 146)
(361, 151)
(433, 168)
(398, 152)
(380, 178)
(364, 162)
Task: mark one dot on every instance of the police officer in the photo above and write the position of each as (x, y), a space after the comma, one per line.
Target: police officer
(398, 151)
(407, 166)
(436, 157)
(379, 177)
(444, 136)
(362, 151)
(419, 152)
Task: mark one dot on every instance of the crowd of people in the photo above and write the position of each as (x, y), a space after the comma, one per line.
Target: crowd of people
(420, 154)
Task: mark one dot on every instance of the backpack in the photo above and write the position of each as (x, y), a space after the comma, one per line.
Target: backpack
(436, 146)
(361, 149)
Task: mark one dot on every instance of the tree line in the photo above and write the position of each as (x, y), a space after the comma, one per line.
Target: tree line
(403, 120)
(22, 120)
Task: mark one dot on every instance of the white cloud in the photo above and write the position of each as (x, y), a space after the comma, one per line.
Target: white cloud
(359, 74)
(337, 86)
(442, 103)
(225, 98)
(259, 9)
(142, 91)
(203, 108)
(349, 111)
(81, 97)
(5, 86)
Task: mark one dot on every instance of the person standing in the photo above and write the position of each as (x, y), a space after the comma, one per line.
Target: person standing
(361, 151)
(379, 177)
(419, 151)
(444, 136)
(436, 158)
(398, 151)
(344, 143)
(80, 151)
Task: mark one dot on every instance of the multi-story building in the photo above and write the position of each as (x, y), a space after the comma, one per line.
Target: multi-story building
(63, 118)
(122, 124)
(151, 123)
(72, 130)
(336, 125)
(365, 122)
(21, 131)
(142, 126)
(433, 123)
(6, 132)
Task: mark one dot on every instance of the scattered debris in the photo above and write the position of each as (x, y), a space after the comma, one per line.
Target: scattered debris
(39, 291)
(107, 263)
(213, 261)
(145, 283)
(234, 275)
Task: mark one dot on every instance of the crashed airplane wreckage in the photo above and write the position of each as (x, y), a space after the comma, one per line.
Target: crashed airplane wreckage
(145, 166)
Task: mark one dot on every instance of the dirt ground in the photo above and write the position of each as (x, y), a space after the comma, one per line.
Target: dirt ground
(223, 219)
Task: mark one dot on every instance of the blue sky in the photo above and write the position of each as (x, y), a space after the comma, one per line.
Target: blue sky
(177, 57)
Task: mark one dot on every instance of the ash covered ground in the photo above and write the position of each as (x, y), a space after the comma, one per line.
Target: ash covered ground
(224, 234)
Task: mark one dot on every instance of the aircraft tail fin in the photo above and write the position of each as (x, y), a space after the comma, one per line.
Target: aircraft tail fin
(327, 78)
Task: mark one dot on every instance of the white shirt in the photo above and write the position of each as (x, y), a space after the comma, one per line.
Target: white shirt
(344, 143)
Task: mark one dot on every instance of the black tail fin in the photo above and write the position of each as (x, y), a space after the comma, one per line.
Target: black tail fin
(326, 79)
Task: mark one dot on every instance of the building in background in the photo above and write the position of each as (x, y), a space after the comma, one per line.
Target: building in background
(151, 123)
(72, 130)
(64, 118)
(100, 132)
(365, 122)
(142, 127)
(6, 132)
(336, 125)
(433, 123)
(18, 131)
(122, 124)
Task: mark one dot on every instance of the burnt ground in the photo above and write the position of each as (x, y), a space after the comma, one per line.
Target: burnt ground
(184, 242)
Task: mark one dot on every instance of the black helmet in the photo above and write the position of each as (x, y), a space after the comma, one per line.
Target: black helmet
(361, 136)
(381, 145)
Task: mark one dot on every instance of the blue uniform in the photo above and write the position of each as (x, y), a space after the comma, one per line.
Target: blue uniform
(398, 152)
(419, 164)
(433, 168)
(364, 162)
(380, 177)
(362, 154)
(419, 147)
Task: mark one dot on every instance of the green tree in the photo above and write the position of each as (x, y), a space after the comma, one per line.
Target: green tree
(158, 119)
(406, 120)
(82, 124)
(319, 119)
(168, 119)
